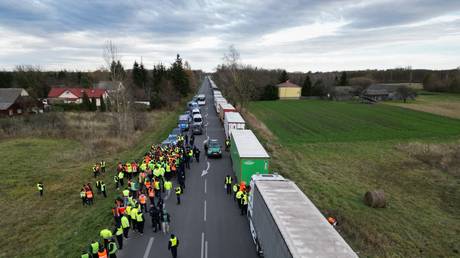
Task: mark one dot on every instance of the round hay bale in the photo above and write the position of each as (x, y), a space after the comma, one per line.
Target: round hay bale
(375, 199)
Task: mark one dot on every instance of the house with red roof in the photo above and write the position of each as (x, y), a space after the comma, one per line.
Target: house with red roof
(75, 95)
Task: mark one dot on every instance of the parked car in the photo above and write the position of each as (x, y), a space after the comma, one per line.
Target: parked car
(213, 148)
(197, 129)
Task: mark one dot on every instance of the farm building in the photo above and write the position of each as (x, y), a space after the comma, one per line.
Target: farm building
(75, 95)
(383, 91)
(344, 92)
(16, 101)
(288, 90)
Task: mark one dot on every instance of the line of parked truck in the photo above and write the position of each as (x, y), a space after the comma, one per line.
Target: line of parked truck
(283, 222)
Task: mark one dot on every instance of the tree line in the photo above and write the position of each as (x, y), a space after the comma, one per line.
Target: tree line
(242, 83)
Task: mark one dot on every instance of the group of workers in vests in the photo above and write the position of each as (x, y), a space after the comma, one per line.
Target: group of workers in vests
(148, 185)
(240, 193)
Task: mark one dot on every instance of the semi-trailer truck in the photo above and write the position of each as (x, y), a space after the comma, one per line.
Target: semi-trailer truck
(284, 223)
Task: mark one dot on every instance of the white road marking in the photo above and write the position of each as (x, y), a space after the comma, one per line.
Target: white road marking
(205, 172)
(149, 246)
(205, 185)
(206, 249)
(202, 245)
(204, 211)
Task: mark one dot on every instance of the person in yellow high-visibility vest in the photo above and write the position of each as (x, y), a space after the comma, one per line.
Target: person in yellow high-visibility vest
(172, 245)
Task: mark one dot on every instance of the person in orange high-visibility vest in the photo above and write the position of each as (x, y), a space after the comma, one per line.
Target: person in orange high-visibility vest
(89, 197)
(243, 186)
(332, 221)
(102, 253)
(151, 195)
(143, 202)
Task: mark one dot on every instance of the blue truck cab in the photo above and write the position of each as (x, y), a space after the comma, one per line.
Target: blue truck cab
(183, 122)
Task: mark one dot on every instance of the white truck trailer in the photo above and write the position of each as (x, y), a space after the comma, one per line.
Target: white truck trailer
(233, 121)
(284, 223)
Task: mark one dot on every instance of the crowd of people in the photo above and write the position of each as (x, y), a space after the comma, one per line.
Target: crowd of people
(143, 188)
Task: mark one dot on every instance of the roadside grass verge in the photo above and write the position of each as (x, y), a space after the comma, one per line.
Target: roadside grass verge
(335, 153)
(57, 225)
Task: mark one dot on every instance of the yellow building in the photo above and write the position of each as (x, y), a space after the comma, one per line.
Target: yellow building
(288, 90)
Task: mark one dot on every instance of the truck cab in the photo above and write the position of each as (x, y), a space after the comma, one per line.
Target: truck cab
(183, 122)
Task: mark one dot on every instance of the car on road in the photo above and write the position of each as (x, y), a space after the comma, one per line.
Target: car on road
(197, 120)
(195, 111)
(213, 148)
(197, 129)
(201, 99)
(171, 140)
(176, 131)
(192, 105)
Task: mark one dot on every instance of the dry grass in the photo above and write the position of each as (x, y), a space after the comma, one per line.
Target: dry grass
(437, 103)
(96, 131)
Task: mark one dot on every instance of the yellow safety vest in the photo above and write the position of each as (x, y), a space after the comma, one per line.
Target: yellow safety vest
(119, 231)
(178, 190)
(239, 194)
(124, 222)
(139, 217)
(173, 241)
(228, 180)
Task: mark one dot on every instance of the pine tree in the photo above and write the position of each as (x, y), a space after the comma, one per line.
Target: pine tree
(86, 103)
(306, 87)
(179, 77)
(137, 75)
(283, 77)
(343, 79)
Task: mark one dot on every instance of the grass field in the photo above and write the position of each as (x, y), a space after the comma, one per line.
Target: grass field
(444, 104)
(295, 122)
(337, 151)
(57, 225)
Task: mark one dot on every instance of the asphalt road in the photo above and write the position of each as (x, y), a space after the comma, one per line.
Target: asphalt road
(207, 223)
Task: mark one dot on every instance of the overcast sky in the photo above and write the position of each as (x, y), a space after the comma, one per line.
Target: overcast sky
(316, 35)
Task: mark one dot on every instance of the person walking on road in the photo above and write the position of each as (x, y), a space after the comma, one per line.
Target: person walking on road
(178, 194)
(228, 184)
(140, 221)
(192, 140)
(112, 249)
(125, 225)
(165, 220)
(239, 196)
(172, 245)
(117, 182)
(168, 186)
(244, 204)
(119, 236)
(40, 188)
(196, 152)
(235, 190)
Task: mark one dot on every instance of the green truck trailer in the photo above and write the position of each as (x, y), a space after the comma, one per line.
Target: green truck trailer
(248, 155)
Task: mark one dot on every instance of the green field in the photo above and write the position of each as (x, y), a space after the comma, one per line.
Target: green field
(337, 151)
(322, 121)
(57, 225)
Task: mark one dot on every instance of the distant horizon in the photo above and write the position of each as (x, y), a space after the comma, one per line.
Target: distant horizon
(310, 35)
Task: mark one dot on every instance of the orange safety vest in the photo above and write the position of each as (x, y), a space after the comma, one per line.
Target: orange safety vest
(151, 193)
(89, 194)
(102, 254)
(147, 184)
(142, 199)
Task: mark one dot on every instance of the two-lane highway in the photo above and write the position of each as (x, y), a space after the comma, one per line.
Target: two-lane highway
(207, 223)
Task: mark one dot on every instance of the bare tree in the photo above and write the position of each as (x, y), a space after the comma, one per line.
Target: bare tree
(120, 93)
(240, 89)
